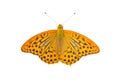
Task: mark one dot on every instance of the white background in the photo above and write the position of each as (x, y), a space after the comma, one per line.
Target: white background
(22, 19)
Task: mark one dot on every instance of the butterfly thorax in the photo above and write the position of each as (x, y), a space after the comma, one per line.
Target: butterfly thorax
(60, 39)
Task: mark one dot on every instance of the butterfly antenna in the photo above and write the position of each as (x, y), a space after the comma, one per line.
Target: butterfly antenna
(50, 17)
(69, 18)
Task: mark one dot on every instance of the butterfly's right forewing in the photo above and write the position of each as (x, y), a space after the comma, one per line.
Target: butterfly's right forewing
(82, 44)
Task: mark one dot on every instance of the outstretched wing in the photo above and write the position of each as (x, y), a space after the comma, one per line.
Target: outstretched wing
(43, 45)
(76, 46)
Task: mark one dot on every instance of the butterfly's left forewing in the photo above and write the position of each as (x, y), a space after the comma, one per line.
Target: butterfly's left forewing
(38, 42)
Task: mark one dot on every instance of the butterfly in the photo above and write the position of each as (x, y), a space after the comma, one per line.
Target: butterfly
(66, 46)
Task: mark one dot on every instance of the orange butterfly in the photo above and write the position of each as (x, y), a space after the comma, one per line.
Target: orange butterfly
(66, 46)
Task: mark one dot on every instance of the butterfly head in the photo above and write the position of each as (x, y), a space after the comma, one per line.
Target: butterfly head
(60, 30)
(60, 27)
